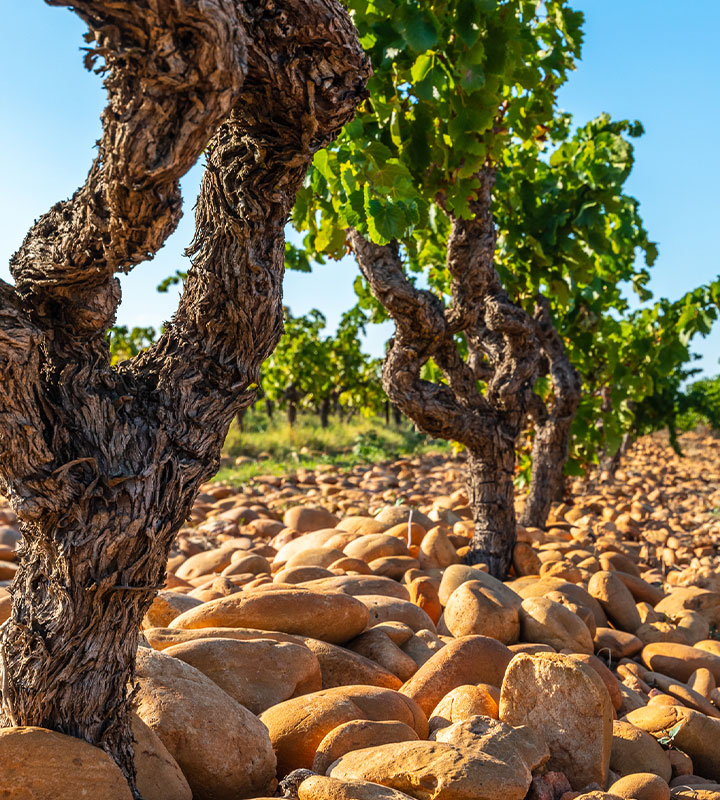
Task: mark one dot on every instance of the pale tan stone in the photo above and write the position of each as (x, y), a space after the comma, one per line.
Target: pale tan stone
(158, 774)
(565, 701)
(546, 622)
(258, 673)
(475, 608)
(356, 735)
(470, 764)
(320, 787)
(222, 749)
(38, 764)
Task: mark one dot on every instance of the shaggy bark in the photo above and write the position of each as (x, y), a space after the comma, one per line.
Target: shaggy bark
(552, 424)
(503, 354)
(101, 464)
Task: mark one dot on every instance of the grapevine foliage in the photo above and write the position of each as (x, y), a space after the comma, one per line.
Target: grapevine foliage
(309, 368)
(458, 84)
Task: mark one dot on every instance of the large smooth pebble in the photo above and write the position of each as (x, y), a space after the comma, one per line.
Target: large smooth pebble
(298, 726)
(332, 617)
(471, 659)
(39, 764)
(258, 673)
(223, 750)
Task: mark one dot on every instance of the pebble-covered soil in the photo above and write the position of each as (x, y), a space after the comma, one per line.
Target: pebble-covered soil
(320, 638)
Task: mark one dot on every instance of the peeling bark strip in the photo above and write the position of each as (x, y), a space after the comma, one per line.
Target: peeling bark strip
(174, 71)
(102, 465)
(503, 353)
(552, 425)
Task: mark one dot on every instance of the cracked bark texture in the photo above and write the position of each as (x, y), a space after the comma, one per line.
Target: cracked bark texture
(102, 464)
(552, 422)
(485, 399)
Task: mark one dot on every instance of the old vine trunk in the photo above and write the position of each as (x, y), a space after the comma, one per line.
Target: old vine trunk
(484, 399)
(102, 465)
(549, 454)
(491, 492)
(553, 421)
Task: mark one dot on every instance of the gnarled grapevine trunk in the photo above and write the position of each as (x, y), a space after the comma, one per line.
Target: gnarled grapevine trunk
(491, 491)
(503, 355)
(552, 424)
(101, 464)
(549, 454)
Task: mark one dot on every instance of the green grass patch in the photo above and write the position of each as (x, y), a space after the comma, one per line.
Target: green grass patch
(274, 448)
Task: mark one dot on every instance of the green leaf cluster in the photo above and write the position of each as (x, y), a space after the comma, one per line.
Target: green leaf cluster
(566, 226)
(700, 404)
(642, 361)
(315, 367)
(454, 81)
(127, 342)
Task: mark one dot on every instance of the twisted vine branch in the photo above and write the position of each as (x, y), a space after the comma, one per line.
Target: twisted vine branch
(102, 465)
(503, 353)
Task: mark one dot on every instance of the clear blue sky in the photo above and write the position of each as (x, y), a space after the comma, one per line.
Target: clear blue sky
(653, 60)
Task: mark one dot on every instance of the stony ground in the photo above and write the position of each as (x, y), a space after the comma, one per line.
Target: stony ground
(319, 637)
